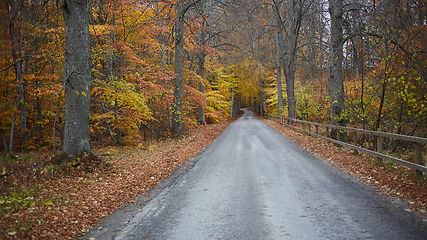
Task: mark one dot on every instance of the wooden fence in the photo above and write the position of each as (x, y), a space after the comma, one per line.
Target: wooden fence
(419, 141)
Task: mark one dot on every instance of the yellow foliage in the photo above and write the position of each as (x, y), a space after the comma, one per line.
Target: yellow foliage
(125, 106)
(217, 108)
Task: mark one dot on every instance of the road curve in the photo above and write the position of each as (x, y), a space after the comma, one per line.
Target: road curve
(253, 183)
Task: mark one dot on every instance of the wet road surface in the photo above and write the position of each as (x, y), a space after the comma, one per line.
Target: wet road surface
(253, 183)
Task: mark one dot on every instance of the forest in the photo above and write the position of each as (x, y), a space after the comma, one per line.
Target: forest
(138, 82)
(75, 73)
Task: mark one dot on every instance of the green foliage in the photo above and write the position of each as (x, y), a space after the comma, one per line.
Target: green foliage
(389, 164)
(17, 201)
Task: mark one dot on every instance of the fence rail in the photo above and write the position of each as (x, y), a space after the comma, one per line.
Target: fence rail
(419, 141)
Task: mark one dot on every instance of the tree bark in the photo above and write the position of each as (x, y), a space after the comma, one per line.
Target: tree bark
(39, 127)
(12, 128)
(289, 64)
(279, 59)
(262, 103)
(384, 87)
(54, 126)
(77, 77)
(179, 68)
(336, 82)
(201, 72)
(118, 131)
(232, 100)
(16, 34)
(113, 77)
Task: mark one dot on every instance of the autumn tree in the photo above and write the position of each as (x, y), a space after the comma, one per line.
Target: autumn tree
(205, 33)
(28, 48)
(388, 56)
(149, 60)
(295, 19)
(17, 18)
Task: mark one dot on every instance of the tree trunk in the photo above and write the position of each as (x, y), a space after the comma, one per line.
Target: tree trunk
(12, 128)
(15, 10)
(118, 131)
(39, 118)
(384, 87)
(3, 137)
(113, 76)
(54, 126)
(179, 68)
(201, 72)
(262, 103)
(289, 68)
(22, 106)
(77, 77)
(232, 100)
(336, 82)
(279, 61)
(106, 123)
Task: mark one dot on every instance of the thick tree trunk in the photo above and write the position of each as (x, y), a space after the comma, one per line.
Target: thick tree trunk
(77, 77)
(289, 67)
(179, 68)
(336, 82)
(291, 58)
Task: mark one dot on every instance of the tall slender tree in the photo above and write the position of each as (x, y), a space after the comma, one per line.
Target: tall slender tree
(336, 82)
(17, 19)
(279, 53)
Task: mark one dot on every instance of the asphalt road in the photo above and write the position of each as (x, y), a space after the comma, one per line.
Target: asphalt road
(252, 183)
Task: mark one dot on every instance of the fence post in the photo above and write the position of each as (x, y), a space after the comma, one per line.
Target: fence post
(418, 155)
(379, 145)
(327, 132)
(317, 129)
(309, 127)
(355, 152)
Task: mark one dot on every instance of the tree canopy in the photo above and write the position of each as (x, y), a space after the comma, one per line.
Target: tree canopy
(158, 67)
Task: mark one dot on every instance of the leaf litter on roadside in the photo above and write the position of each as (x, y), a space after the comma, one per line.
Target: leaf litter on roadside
(390, 179)
(42, 200)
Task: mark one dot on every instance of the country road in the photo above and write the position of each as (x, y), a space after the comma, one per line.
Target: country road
(252, 183)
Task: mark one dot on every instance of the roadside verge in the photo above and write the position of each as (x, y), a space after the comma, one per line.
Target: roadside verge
(396, 181)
